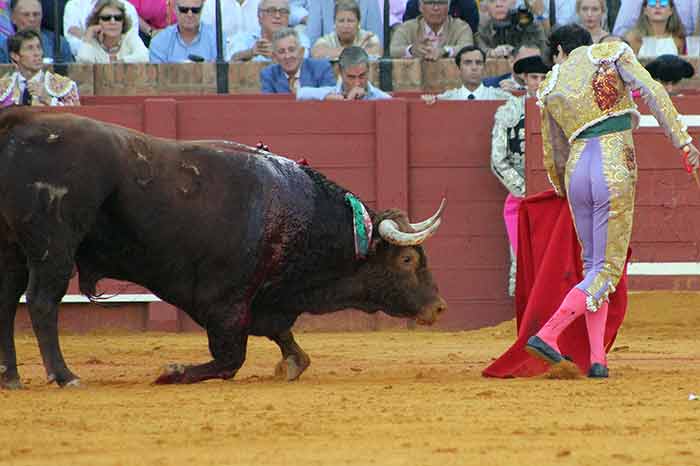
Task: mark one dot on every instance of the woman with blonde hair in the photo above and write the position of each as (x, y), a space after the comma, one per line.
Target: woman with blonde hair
(659, 30)
(106, 39)
(592, 15)
(347, 33)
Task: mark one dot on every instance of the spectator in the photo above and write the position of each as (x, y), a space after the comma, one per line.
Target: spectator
(504, 31)
(347, 32)
(106, 39)
(47, 19)
(669, 70)
(354, 80)
(511, 81)
(564, 12)
(273, 15)
(154, 16)
(6, 29)
(188, 40)
(75, 20)
(659, 30)
(432, 35)
(29, 84)
(630, 11)
(466, 10)
(236, 17)
(292, 69)
(299, 14)
(508, 151)
(26, 15)
(470, 60)
(592, 15)
(321, 18)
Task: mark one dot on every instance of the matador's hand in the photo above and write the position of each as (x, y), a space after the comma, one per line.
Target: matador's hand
(692, 156)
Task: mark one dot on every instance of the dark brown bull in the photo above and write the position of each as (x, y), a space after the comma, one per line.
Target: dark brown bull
(240, 239)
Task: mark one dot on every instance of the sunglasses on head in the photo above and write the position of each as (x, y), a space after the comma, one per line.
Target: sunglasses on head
(186, 9)
(106, 18)
(659, 3)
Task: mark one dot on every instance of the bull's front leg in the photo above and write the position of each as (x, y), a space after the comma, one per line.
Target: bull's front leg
(228, 340)
(294, 360)
(13, 282)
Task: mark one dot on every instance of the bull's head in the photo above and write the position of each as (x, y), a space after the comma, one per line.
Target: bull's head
(400, 282)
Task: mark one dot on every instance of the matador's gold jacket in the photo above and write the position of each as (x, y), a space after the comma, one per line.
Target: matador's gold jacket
(62, 90)
(593, 84)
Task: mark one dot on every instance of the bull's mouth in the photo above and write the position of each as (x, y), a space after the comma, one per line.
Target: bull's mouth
(430, 313)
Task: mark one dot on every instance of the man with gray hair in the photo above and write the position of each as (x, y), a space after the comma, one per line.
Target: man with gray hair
(432, 35)
(273, 15)
(354, 80)
(292, 70)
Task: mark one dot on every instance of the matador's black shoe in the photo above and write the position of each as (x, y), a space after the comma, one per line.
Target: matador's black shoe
(598, 371)
(538, 348)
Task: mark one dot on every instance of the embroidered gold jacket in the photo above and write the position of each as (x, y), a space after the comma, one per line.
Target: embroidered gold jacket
(61, 90)
(593, 84)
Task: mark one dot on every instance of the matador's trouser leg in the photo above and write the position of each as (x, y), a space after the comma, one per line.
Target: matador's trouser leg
(510, 217)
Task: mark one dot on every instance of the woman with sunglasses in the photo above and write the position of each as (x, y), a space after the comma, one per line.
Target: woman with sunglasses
(106, 39)
(659, 30)
(629, 11)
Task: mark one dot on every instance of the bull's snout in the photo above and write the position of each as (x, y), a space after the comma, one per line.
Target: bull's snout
(429, 314)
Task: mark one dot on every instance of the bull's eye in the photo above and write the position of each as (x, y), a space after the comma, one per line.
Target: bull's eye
(407, 259)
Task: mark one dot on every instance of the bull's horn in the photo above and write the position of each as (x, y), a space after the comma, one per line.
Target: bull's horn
(389, 230)
(426, 223)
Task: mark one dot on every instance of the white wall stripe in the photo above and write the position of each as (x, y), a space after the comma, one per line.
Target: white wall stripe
(648, 121)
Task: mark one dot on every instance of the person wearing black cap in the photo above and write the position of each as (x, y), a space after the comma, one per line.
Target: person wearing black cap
(669, 70)
(508, 150)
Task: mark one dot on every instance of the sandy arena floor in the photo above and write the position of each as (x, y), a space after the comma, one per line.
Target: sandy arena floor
(386, 398)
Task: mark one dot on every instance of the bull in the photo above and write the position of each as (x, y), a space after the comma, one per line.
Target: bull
(240, 239)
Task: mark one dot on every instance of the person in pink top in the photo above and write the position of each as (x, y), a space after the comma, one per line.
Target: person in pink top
(154, 15)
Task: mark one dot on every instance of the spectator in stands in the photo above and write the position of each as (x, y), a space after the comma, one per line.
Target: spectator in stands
(26, 14)
(75, 20)
(659, 30)
(508, 151)
(592, 15)
(236, 17)
(564, 12)
(347, 32)
(630, 11)
(47, 19)
(106, 39)
(510, 82)
(273, 15)
(188, 40)
(29, 84)
(504, 31)
(321, 18)
(299, 14)
(470, 60)
(354, 80)
(669, 70)
(466, 10)
(432, 35)
(6, 29)
(154, 15)
(292, 70)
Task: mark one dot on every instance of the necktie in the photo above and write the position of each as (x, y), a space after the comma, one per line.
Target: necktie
(471, 97)
(292, 83)
(552, 13)
(26, 97)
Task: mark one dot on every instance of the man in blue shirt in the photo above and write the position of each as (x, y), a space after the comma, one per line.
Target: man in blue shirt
(354, 80)
(187, 40)
(292, 69)
(26, 15)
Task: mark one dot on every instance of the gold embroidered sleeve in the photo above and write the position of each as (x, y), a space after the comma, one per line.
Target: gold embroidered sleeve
(655, 96)
(555, 150)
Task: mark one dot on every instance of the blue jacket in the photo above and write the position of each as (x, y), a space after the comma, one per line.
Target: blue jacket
(314, 73)
(47, 41)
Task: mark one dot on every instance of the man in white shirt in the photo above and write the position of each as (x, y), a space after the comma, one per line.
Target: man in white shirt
(471, 61)
(235, 17)
(75, 20)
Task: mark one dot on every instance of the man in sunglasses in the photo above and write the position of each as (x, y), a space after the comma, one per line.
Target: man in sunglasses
(75, 19)
(273, 15)
(27, 14)
(30, 84)
(629, 11)
(187, 40)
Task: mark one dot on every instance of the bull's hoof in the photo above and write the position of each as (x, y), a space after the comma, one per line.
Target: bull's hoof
(9, 381)
(75, 383)
(291, 368)
(172, 373)
(64, 380)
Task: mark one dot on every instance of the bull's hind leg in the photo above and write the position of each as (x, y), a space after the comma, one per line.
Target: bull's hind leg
(13, 282)
(48, 282)
(294, 360)
(228, 341)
